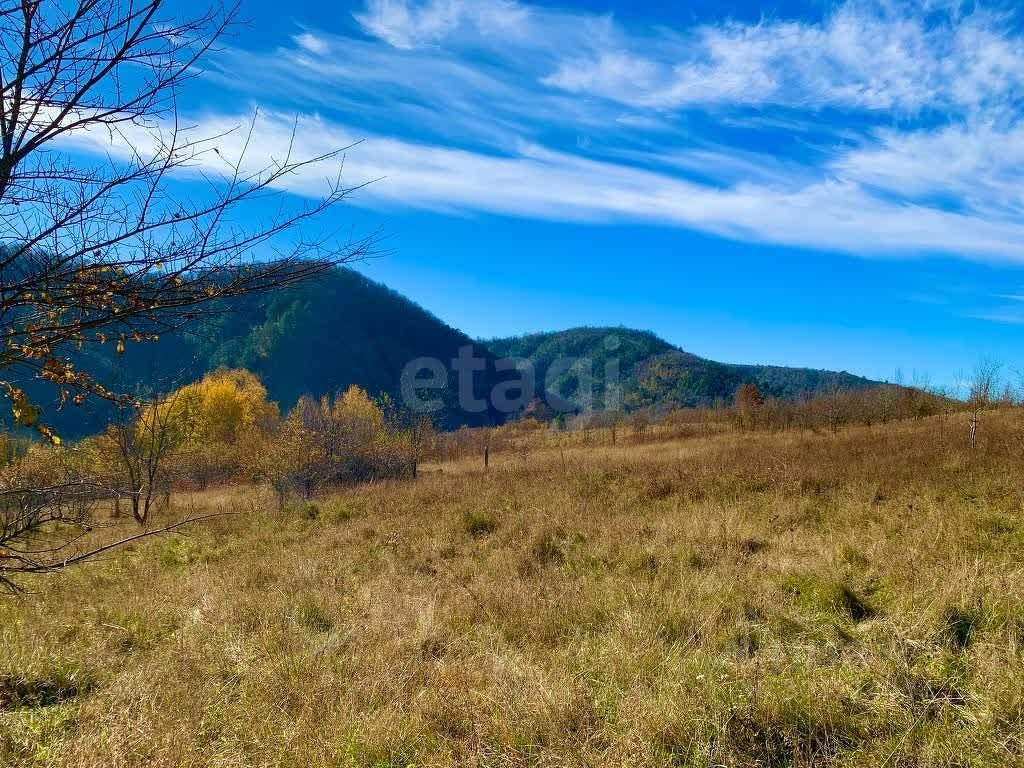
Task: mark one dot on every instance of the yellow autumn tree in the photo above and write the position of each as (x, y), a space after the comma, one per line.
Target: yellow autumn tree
(222, 408)
(361, 420)
(349, 438)
(372, 432)
(208, 422)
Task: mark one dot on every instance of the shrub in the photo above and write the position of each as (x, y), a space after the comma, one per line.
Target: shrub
(180, 551)
(479, 523)
(339, 511)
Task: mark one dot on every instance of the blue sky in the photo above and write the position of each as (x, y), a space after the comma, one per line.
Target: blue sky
(824, 184)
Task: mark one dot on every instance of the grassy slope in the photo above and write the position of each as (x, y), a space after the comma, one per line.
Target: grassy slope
(741, 600)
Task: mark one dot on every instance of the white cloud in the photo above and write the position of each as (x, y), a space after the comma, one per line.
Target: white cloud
(407, 24)
(540, 183)
(312, 43)
(978, 164)
(452, 94)
(1005, 317)
(611, 73)
(490, 106)
(865, 55)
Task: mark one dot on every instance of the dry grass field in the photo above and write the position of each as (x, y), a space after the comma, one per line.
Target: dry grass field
(736, 600)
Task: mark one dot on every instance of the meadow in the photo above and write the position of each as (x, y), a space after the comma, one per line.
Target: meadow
(737, 599)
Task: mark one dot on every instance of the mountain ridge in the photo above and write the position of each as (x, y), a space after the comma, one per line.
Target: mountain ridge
(657, 374)
(345, 329)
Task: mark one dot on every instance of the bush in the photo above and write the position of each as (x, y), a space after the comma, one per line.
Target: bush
(479, 523)
(339, 511)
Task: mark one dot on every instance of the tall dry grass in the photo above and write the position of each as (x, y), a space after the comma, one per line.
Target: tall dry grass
(741, 600)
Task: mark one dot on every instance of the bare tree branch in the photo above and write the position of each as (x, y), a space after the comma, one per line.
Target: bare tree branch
(109, 250)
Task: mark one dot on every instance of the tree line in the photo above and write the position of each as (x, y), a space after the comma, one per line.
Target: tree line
(219, 430)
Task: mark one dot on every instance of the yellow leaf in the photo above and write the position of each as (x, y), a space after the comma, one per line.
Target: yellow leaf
(22, 409)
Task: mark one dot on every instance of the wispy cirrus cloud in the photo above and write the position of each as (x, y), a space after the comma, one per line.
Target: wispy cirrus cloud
(1005, 309)
(865, 56)
(905, 55)
(408, 25)
(890, 127)
(977, 163)
(1011, 316)
(311, 43)
(539, 183)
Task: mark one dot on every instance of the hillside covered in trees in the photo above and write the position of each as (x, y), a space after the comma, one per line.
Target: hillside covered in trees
(319, 338)
(654, 374)
(343, 329)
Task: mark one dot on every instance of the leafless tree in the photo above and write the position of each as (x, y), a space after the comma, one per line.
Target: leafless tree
(106, 250)
(143, 443)
(423, 438)
(834, 406)
(109, 250)
(36, 500)
(982, 393)
(748, 403)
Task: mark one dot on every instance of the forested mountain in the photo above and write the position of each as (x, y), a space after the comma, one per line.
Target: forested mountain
(320, 338)
(340, 330)
(345, 329)
(653, 373)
